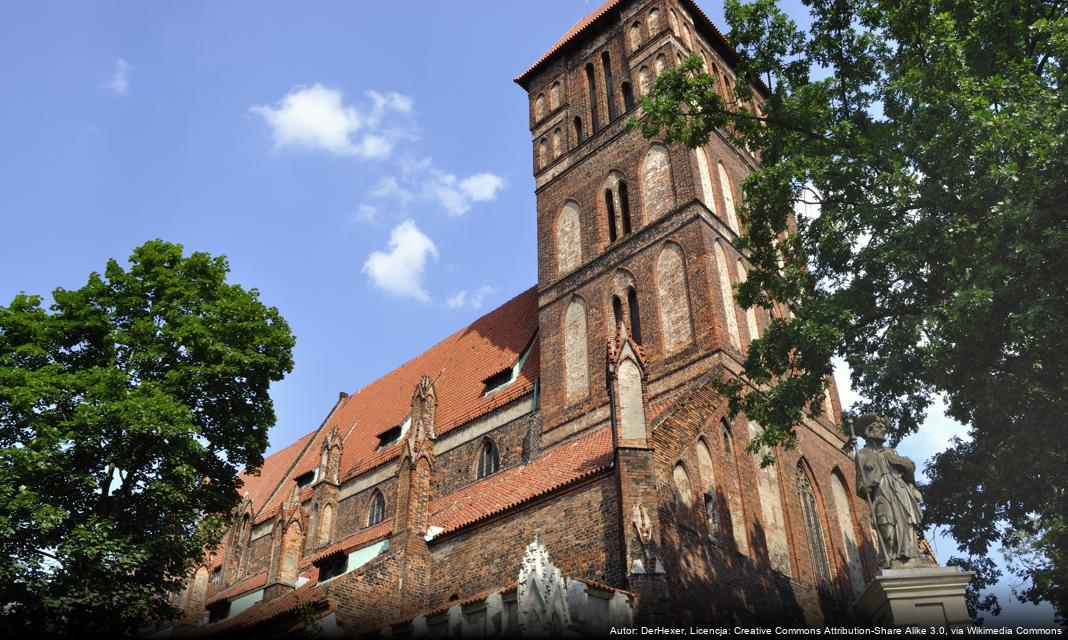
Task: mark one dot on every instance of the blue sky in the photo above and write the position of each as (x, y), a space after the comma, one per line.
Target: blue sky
(366, 166)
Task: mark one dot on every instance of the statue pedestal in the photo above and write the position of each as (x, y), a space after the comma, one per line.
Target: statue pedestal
(920, 597)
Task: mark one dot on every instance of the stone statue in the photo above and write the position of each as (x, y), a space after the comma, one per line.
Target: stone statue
(887, 480)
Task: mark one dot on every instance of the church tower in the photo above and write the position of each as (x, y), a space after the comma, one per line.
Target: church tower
(630, 230)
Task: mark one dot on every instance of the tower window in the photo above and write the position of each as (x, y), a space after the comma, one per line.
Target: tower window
(577, 122)
(617, 311)
(591, 90)
(624, 207)
(610, 208)
(635, 317)
(606, 65)
(377, 512)
(628, 96)
(488, 459)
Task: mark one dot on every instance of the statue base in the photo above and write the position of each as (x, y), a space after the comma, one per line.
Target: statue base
(917, 597)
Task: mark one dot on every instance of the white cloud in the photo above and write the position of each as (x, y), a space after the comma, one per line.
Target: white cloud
(473, 300)
(120, 82)
(317, 118)
(399, 271)
(482, 187)
(457, 196)
(365, 213)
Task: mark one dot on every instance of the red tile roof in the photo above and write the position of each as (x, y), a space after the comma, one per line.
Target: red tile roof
(719, 41)
(460, 363)
(241, 587)
(567, 463)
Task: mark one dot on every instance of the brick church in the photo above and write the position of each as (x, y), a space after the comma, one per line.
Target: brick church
(563, 464)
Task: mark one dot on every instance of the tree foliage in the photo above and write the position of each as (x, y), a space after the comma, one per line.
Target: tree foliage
(931, 136)
(127, 407)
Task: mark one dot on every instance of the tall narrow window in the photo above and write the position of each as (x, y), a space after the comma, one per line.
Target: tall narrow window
(683, 490)
(705, 178)
(617, 312)
(556, 143)
(673, 21)
(591, 91)
(488, 459)
(539, 107)
(543, 153)
(610, 209)
(635, 317)
(653, 21)
(750, 313)
(727, 295)
(635, 36)
(631, 405)
(377, 512)
(708, 485)
(659, 64)
(628, 96)
(554, 96)
(674, 299)
(576, 352)
(658, 194)
(645, 83)
(568, 239)
(844, 510)
(734, 508)
(326, 525)
(816, 545)
(728, 198)
(624, 207)
(577, 124)
(609, 87)
(773, 515)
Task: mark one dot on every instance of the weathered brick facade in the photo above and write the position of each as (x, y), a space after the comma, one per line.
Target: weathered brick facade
(580, 413)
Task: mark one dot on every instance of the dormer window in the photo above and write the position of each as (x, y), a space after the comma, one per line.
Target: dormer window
(305, 479)
(389, 436)
(499, 379)
(332, 566)
(219, 611)
(505, 377)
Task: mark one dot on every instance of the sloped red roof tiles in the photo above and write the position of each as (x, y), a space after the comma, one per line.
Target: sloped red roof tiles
(459, 363)
(561, 466)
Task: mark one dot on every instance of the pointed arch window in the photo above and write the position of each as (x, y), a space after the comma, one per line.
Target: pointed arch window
(727, 294)
(609, 88)
(728, 197)
(750, 313)
(635, 316)
(610, 209)
(591, 92)
(656, 188)
(635, 36)
(653, 21)
(617, 311)
(708, 484)
(576, 352)
(489, 460)
(539, 107)
(377, 512)
(816, 545)
(683, 491)
(674, 299)
(645, 83)
(577, 125)
(568, 239)
(624, 206)
(554, 96)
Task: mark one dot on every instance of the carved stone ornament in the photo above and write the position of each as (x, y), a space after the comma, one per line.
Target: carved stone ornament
(541, 594)
(642, 525)
(887, 481)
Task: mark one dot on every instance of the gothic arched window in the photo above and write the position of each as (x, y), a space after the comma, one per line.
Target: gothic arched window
(606, 66)
(750, 313)
(728, 198)
(576, 352)
(708, 484)
(326, 525)
(488, 459)
(653, 21)
(674, 301)
(591, 92)
(568, 239)
(554, 96)
(683, 491)
(377, 512)
(705, 178)
(816, 545)
(727, 294)
(539, 107)
(645, 83)
(635, 36)
(657, 192)
(617, 311)
(635, 317)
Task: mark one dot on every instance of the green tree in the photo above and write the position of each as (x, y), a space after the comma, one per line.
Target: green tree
(932, 137)
(127, 409)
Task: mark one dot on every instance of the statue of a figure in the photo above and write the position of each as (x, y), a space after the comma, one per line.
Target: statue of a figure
(887, 480)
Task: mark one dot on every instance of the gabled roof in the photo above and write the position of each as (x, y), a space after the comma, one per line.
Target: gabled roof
(459, 363)
(580, 27)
